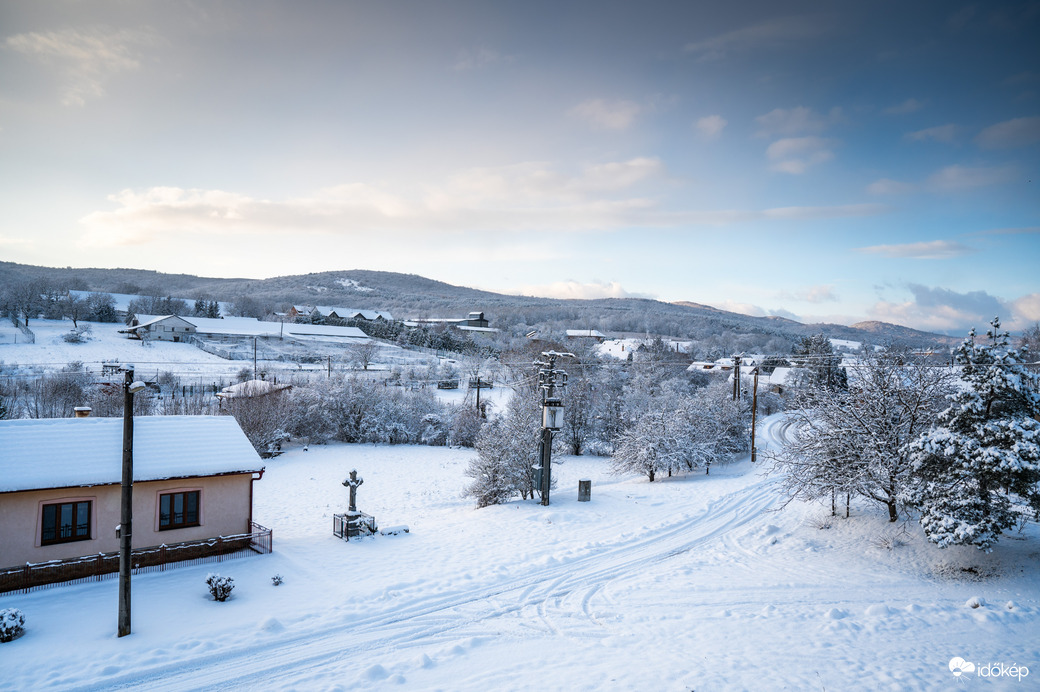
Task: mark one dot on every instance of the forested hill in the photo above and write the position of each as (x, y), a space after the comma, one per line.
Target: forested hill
(409, 295)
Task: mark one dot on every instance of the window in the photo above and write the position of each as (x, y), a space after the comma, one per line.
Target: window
(65, 522)
(177, 510)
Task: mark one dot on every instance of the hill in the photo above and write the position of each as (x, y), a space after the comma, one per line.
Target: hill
(409, 295)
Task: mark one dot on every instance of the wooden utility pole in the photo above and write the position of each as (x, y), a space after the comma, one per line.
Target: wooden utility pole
(754, 415)
(126, 512)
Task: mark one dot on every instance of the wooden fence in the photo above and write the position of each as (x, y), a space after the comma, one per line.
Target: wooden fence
(153, 559)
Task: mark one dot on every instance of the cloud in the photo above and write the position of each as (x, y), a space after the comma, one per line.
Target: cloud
(741, 308)
(950, 312)
(908, 106)
(711, 126)
(480, 58)
(812, 213)
(771, 34)
(575, 290)
(607, 115)
(86, 58)
(823, 293)
(531, 196)
(795, 121)
(941, 133)
(953, 178)
(1028, 307)
(1020, 132)
(934, 249)
(886, 186)
(528, 196)
(796, 154)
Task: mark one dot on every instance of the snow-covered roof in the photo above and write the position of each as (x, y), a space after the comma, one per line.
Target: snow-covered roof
(250, 326)
(593, 333)
(321, 330)
(464, 328)
(251, 388)
(71, 452)
(782, 376)
(152, 319)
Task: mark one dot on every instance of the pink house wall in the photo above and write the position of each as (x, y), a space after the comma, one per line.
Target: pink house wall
(225, 509)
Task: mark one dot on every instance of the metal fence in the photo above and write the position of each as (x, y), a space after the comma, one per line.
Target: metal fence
(158, 558)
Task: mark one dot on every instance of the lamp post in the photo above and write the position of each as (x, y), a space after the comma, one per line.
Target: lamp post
(126, 514)
(552, 416)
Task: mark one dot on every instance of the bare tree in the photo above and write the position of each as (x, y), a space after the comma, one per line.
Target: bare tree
(854, 441)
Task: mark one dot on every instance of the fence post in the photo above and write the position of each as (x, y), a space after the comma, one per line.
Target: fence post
(25, 579)
(162, 557)
(99, 566)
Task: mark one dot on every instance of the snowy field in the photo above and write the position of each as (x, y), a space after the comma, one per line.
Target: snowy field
(105, 344)
(689, 583)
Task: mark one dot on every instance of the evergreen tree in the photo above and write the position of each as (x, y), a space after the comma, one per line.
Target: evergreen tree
(978, 471)
(820, 365)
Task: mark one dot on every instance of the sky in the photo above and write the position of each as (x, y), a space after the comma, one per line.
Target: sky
(815, 160)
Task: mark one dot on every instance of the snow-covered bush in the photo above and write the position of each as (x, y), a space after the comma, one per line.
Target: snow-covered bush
(277, 580)
(12, 624)
(220, 587)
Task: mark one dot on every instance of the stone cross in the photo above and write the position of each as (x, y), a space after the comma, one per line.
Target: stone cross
(353, 482)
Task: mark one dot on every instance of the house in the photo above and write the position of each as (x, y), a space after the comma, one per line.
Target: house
(301, 312)
(474, 321)
(161, 328)
(599, 336)
(60, 488)
(174, 328)
(251, 389)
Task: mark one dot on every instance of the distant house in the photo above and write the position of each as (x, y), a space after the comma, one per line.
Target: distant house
(355, 314)
(298, 312)
(174, 328)
(599, 336)
(251, 389)
(474, 321)
(60, 486)
(161, 328)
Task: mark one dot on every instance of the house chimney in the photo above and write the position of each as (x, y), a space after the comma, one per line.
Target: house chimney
(82, 411)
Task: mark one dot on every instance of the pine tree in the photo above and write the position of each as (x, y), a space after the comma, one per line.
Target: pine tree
(978, 471)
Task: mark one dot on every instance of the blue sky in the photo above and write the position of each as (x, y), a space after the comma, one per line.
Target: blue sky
(817, 160)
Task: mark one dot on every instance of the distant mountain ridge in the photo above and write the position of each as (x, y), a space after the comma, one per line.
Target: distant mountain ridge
(410, 295)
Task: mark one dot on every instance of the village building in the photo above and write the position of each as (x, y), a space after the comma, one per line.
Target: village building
(60, 490)
(174, 328)
(594, 334)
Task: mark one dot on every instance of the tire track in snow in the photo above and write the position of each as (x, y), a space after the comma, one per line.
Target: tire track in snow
(424, 623)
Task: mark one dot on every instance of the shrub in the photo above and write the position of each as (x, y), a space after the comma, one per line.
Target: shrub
(220, 587)
(12, 624)
(277, 580)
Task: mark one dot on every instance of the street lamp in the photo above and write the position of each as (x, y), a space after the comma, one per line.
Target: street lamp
(126, 514)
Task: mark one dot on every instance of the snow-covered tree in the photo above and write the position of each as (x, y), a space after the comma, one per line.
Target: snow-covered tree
(852, 442)
(978, 471)
(683, 432)
(507, 452)
(819, 366)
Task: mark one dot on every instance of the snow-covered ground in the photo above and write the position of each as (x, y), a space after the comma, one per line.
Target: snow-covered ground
(692, 582)
(104, 344)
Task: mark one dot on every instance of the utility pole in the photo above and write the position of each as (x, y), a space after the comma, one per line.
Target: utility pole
(126, 513)
(254, 358)
(552, 415)
(754, 416)
(736, 376)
